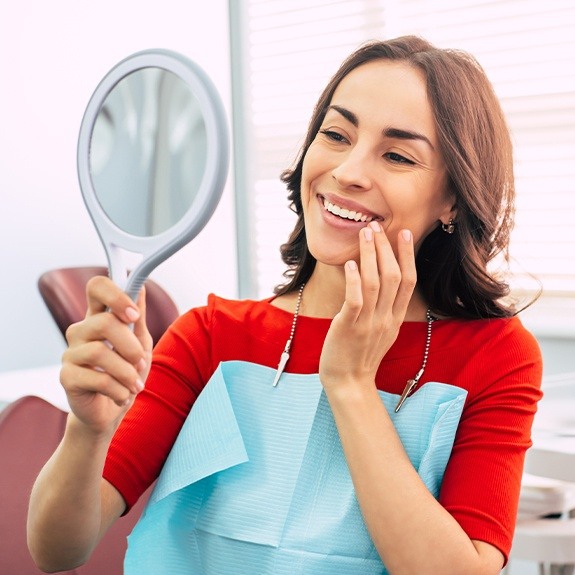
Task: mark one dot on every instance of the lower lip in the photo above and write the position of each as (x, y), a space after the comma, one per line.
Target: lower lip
(337, 221)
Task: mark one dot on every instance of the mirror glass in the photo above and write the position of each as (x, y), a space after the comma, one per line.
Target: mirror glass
(148, 151)
(153, 154)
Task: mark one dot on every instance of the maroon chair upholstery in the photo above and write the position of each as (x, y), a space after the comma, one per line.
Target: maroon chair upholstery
(30, 430)
(64, 292)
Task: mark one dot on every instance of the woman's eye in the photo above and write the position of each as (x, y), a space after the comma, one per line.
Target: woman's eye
(398, 158)
(335, 136)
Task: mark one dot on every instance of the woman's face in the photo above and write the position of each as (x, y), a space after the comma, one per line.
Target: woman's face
(376, 156)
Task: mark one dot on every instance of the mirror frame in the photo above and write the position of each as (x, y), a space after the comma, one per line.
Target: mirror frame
(156, 249)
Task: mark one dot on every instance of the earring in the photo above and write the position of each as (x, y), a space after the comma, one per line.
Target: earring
(449, 227)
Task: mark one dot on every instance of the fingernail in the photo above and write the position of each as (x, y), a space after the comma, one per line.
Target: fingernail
(132, 314)
(139, 385)
(351, 265)
(375, 226)
(368, 234)
(406, 235)
(141, 365)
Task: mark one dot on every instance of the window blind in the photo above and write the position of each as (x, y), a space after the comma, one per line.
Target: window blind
(291, 49)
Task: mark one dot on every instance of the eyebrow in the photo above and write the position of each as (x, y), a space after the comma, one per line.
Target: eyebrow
(394, 133)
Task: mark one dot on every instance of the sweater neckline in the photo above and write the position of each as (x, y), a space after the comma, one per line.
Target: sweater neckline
(319, 320)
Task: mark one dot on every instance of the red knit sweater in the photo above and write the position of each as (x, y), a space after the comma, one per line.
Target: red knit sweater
(497, 361)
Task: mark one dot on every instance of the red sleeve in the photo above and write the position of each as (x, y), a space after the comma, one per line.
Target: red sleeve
(483, 478)
(182, 364)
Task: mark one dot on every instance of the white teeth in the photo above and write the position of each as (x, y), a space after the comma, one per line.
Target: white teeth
(345, 213)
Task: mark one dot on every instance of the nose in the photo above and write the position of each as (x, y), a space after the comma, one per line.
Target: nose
(353, 170)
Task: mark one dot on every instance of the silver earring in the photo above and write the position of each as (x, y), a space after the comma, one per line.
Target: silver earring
(449, 227)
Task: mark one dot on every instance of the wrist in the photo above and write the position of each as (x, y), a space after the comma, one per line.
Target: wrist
(78, 430)
(351, 392)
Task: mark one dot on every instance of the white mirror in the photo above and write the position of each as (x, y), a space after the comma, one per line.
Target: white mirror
(153, 155)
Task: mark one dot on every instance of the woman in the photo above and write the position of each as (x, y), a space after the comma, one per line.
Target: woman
(392, 436)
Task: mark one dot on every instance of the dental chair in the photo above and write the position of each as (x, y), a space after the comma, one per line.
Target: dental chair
(30, 430)
(64, 293)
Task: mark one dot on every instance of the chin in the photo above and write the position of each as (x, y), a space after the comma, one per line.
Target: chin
(333, 257)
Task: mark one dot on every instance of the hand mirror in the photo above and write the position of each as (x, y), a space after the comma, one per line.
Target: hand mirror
(153, 157)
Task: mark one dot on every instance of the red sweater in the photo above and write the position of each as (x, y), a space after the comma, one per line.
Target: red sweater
(497, 361)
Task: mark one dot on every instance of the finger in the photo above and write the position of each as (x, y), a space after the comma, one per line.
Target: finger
(353, 303)
(106, 327)
(98, 356)
(140, 326)
(370, 281)
(78, 380)
(389, 274)
(406, 259)
(103, 294)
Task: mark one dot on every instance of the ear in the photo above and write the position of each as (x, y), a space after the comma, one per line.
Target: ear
(450, 212)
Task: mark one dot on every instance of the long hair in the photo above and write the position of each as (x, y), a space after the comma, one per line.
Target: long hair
(474, 140)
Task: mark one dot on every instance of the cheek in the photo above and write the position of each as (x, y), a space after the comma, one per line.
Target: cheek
(304, 193)
(418, 206)
(310, 172)
(434, 200)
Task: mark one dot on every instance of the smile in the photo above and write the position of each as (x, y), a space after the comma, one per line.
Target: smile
(346, 213)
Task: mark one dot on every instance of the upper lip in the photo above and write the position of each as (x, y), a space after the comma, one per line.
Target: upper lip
(350, 205)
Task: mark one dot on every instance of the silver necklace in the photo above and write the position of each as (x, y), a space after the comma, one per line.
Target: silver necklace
(409, 386)
(412, 383)
(285, 354)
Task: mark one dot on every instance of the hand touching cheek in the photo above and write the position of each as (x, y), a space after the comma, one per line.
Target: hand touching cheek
(377, 295)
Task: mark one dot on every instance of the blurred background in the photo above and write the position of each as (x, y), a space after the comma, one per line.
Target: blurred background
(270, 60)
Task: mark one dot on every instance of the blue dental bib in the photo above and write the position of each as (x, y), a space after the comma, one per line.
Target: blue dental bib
(257, 482)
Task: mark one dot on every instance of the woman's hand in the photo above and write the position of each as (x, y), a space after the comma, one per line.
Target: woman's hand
(106, 363)
(376, 299)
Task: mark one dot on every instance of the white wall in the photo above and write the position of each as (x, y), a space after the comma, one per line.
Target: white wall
(52, 56)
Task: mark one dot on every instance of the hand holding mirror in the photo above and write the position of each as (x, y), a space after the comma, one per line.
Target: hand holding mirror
(153, 157)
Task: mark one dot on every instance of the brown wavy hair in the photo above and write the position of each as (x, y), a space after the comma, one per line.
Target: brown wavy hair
(474, 140)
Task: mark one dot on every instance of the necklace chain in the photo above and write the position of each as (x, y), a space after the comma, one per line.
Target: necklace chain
(411, 383)
(295, 316)
(430, 320)
(285, 354)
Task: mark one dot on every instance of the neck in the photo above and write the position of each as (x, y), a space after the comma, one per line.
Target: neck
(324, 295)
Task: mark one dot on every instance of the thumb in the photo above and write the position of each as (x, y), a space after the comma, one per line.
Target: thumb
(140, 327)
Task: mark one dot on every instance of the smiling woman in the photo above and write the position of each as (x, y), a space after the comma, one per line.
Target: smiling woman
(399, 116)
(361, 160)
(405, 391)
(288, 52)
